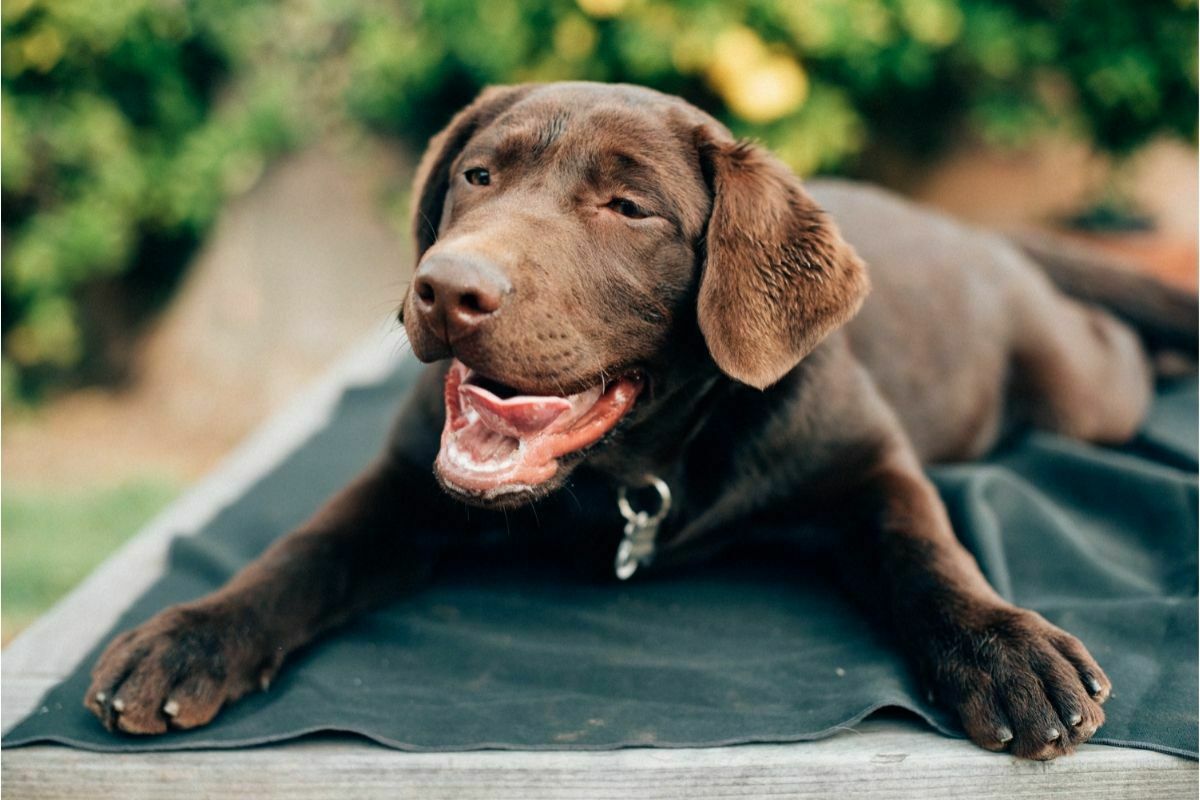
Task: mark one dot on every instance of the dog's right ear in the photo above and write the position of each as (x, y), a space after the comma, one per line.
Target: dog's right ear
(433, 173)
(778, 276)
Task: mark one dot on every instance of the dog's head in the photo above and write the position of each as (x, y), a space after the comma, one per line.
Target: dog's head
(593, 254)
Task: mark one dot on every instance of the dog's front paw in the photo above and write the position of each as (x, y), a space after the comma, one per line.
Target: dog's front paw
(178, 669)
(1019, 683)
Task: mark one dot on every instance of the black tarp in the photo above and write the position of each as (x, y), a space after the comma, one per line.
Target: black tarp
(504, 652)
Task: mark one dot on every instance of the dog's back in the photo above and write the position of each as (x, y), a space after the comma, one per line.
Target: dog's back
(965, 333)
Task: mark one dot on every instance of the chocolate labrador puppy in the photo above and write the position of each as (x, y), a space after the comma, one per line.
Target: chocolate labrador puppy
(613, 286)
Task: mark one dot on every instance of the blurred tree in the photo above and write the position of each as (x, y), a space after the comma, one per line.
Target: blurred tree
(116, 157)
(127, 123)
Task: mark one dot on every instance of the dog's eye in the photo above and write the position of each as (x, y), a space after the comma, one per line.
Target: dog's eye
(478, 176)
(627, 208)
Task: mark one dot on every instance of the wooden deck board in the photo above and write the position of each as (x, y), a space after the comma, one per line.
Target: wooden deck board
(889, 758)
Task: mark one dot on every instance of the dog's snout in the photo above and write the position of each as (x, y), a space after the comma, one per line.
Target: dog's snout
(457, 292)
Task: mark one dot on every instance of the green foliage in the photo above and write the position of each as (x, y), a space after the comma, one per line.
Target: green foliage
(132, 121)
(817, 79)
(126, 125)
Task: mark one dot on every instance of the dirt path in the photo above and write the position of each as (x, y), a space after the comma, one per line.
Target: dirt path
(296, 271)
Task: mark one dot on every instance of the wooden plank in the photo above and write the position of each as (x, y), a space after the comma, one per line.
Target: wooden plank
(889, 758)
(899, 757)
(884, 760)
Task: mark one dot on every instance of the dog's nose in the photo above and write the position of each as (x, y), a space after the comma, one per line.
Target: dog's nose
(457, 292)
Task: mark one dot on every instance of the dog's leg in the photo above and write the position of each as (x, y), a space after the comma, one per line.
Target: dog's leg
(376, 539)
(1077, 369)
(1016, 681)
(181, 666)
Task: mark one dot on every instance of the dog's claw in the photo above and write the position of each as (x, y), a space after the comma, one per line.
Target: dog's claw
(1044, 710)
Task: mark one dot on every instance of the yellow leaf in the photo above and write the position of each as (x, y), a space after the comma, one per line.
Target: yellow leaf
(602, 8)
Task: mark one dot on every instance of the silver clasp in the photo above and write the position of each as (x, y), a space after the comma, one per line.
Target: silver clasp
(641, 528)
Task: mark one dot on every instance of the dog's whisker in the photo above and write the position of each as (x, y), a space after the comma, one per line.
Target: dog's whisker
(433, 229)
(571, 493)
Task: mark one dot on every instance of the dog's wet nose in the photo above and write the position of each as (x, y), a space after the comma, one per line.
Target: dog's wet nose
(457, 292)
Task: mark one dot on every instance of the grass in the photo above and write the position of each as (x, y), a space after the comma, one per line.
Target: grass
(53, 538)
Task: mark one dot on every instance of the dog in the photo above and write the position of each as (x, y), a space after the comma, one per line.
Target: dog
(610, 284)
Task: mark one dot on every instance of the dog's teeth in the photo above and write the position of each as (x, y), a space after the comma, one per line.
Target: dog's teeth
(101, 697)
(171, 708)
(118, 705)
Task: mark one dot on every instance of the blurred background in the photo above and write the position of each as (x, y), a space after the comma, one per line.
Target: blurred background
(204, 203)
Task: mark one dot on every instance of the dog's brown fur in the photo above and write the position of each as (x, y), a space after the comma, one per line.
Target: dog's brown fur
(732, 298)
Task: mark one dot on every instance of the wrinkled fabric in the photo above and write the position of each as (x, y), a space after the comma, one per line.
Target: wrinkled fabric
(508, 652)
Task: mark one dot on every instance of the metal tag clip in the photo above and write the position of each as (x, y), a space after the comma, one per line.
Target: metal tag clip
(641, 529)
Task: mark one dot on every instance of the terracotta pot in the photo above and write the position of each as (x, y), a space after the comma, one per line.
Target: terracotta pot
(1172, 259)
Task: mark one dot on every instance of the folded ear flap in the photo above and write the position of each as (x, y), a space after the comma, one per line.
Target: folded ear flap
(778, 277)
(433, 173)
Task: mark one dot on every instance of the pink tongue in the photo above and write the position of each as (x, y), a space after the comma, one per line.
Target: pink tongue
(517, 416)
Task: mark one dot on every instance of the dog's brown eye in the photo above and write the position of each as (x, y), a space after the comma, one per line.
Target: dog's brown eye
(628, 208)
(478, 176)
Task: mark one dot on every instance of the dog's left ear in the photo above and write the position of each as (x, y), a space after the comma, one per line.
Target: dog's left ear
(778, 277)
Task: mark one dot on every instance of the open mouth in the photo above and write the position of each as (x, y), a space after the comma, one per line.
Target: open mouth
(497, 441)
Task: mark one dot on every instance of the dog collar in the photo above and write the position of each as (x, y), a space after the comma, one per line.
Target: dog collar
(641, 528)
